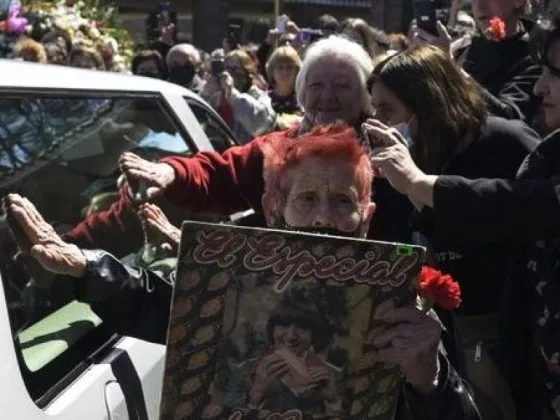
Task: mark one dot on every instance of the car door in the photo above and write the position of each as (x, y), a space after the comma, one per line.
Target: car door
(61, 150)
(217, 131)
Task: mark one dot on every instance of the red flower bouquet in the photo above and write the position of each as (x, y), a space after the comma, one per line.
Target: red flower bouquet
(496, 29)
(440, 289)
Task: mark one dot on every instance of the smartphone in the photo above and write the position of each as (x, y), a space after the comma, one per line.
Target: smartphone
(425, 15)
(217, 67)
(307, 36)
(164, 17)
(281, 23)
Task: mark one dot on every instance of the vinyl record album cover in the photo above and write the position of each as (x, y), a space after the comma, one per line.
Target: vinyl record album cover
(269, 324)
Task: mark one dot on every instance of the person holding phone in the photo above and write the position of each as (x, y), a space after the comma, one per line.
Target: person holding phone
(502, 64)
(440, 116)
(231, 89)
(522, 208)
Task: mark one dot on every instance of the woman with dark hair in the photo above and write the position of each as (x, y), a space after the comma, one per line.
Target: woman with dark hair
(149, 63)
(442, 118)
(524, 210)
(245, 107)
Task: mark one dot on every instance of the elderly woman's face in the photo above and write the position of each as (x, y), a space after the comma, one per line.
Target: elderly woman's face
(333, 92)
(547, 89)
(325, 194)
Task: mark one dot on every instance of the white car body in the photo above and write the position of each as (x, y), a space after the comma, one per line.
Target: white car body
(100, 387)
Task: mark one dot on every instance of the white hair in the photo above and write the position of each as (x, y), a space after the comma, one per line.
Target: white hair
(338, 48)
(186, 49)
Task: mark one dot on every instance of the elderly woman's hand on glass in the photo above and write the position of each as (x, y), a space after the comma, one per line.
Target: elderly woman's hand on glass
(38, 240)
(411, 341)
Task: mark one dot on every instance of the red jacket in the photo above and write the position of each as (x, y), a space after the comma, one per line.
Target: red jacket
(221, 184)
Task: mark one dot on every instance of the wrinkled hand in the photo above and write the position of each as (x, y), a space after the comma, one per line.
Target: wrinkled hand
(419, 37)
(269, 368)
(411, 343)
(395, 164)
(156, 176)
(226, 83)
(45, 245)
(390, 156)
(381, 135)
(154, 218)
(324, 381)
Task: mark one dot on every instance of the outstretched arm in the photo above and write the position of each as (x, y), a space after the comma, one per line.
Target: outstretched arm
(130, 301)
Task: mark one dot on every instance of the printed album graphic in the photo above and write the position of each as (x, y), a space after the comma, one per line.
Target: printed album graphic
(269, 324)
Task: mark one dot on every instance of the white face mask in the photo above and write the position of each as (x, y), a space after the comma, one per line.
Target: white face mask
(404, 129)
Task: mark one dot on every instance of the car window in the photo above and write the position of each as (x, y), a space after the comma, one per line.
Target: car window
(62, 154)
(215, 129)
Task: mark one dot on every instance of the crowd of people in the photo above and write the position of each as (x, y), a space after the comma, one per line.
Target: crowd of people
(446, 140)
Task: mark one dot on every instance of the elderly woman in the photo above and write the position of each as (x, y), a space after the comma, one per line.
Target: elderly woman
(523, 210)
(237, 98)
(330, 86)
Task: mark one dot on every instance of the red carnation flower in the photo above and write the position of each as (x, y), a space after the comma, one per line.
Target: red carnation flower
(496, 29)
(438, 288)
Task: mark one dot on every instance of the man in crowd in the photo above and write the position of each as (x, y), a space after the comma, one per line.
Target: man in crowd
(320, 183)
(183, 62)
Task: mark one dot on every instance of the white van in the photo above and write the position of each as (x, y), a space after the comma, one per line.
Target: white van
(61, 133)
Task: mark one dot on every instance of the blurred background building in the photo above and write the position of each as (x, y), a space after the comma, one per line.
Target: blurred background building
(207, 22)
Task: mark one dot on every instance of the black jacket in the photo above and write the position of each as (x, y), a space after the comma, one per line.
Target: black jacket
(136, 302)
(507, 73)
(524, 210)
